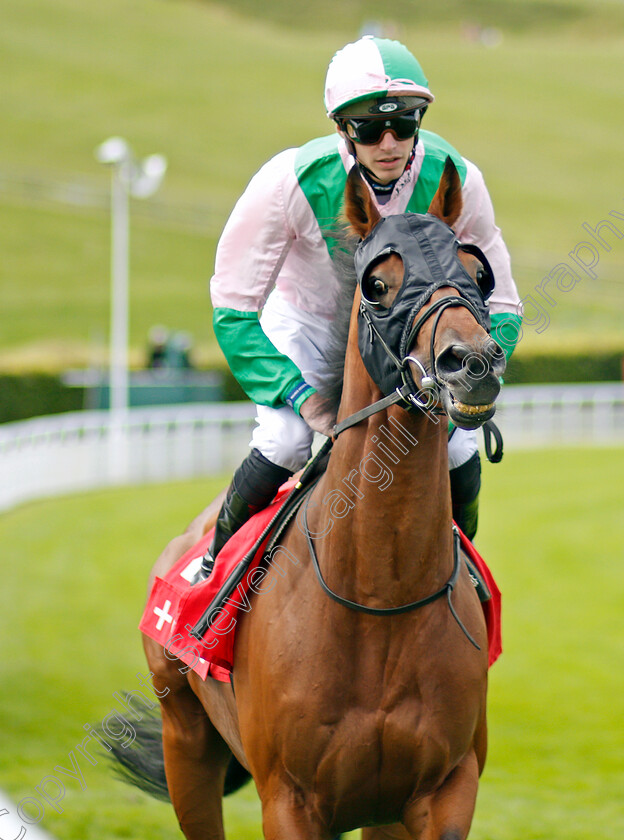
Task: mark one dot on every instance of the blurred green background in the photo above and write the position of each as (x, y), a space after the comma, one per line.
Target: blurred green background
(531, 91)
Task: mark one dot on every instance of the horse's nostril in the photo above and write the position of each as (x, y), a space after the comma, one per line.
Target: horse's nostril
(469, 361)
(451, 360)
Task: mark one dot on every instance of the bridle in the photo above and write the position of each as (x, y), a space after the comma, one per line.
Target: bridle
(446, 590)
(409, 392)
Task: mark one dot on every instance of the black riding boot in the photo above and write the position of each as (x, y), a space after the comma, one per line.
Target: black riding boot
(254, 485)
(465, 486)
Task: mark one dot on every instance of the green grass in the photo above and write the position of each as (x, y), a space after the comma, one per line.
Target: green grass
(518, 16)
(64, 319)
(219, 90)
(551, 529)
(553, 533)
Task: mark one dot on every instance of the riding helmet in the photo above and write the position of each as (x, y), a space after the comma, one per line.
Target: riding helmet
(374, 68)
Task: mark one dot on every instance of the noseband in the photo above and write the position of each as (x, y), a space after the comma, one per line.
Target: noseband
(429, 251)
(409, 393)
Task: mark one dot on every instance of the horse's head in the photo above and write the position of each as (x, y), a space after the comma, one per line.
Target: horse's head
(423, 317)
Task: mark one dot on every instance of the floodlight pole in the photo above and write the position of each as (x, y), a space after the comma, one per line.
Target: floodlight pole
(140, 179)
(119, 314)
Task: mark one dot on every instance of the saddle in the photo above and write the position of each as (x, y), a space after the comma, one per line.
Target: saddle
(282, 519)
(196, 624)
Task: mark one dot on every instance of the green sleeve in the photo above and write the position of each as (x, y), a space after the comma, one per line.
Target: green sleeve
(266, 375)
(506, 331)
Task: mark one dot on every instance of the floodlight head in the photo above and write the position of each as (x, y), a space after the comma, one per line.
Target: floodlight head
(154, 166)
(148, 177)
(113, 151)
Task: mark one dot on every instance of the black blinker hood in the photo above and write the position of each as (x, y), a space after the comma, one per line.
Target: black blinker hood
(429, 250)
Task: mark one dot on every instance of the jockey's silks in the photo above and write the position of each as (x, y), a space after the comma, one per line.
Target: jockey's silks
(277, 244)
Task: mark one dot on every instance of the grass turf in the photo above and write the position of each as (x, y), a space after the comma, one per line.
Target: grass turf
(73, 589)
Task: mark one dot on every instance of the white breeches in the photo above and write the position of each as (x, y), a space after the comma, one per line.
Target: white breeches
(281, 435)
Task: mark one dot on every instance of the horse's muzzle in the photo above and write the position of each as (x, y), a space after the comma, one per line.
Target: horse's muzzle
(470, 381)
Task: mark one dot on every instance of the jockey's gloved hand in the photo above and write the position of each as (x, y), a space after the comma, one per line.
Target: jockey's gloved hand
(318, 414)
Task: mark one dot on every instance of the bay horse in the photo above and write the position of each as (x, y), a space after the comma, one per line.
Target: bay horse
(375, 717)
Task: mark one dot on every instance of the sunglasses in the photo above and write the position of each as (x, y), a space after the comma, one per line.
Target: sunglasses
(369, 131)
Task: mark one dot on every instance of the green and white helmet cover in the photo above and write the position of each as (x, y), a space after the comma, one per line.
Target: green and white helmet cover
(372, 68)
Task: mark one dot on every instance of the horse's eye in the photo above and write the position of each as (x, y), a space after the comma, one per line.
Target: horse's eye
(484, 281)
(378, 287)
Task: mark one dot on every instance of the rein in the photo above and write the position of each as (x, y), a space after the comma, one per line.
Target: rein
(429, 384)
(401, 394)
(447, 589)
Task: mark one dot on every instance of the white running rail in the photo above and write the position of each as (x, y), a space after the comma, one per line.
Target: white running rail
(68, 453)
(562, 415)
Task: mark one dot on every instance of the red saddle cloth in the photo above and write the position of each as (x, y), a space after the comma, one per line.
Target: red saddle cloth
(174, 606)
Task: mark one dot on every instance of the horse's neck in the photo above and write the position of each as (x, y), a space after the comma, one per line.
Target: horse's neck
(385, 503)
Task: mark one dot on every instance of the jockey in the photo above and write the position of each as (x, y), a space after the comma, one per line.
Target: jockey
(275, 287)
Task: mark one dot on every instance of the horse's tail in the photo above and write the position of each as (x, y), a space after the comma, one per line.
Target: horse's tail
(143, 763)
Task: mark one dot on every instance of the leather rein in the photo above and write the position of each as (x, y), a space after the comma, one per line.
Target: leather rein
(447, 589)
(406, 393)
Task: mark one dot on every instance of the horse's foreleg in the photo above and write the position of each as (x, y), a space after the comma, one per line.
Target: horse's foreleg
(196, 758)
(447, 813)
(287, 814)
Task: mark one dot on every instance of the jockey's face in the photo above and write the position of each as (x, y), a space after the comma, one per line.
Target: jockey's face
(386, 159)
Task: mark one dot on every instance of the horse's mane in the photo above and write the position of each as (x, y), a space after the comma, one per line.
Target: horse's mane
(342, 257)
